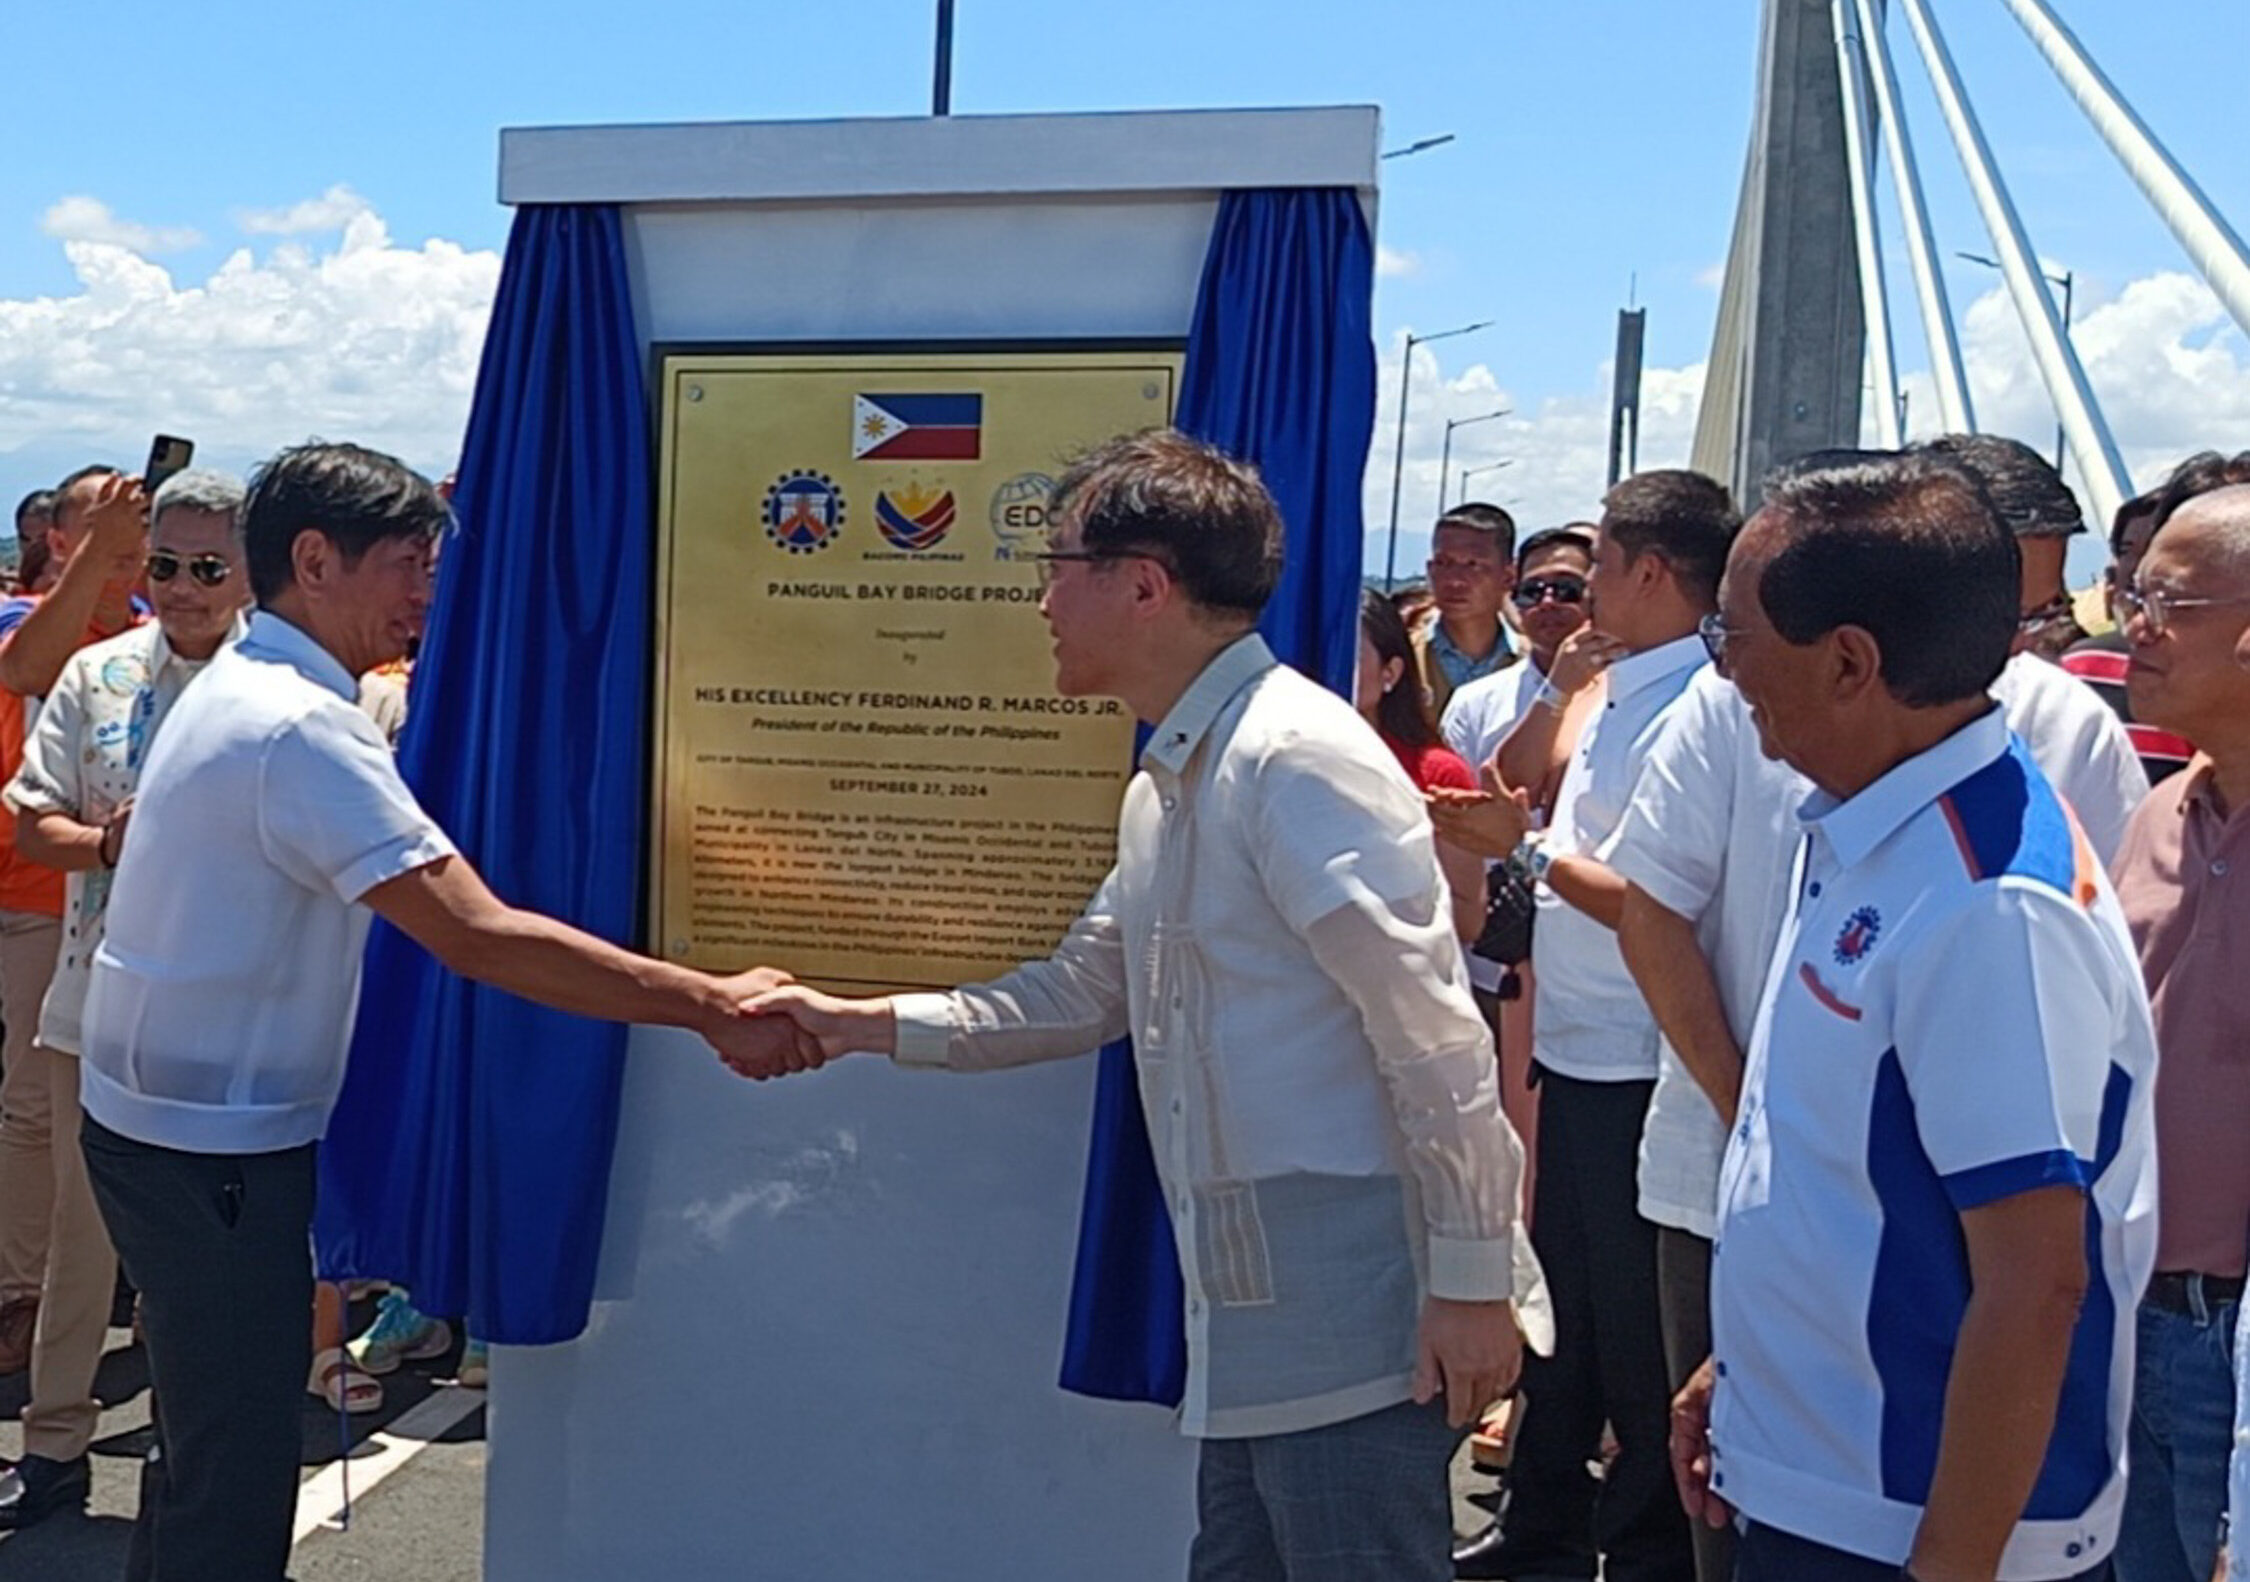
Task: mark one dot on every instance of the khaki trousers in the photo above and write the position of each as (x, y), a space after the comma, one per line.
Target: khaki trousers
(28, 944)
(71, 1262)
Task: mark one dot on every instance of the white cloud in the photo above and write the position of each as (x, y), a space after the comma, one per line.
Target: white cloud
(331, 211)
(82, 219)
(1712, 276)
(1393, 263)
(2171, 372)
(360, 338)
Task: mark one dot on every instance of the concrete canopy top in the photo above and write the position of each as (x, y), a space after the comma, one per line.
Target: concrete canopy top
(923, 157)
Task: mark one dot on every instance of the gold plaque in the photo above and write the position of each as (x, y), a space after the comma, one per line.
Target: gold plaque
(863, 772)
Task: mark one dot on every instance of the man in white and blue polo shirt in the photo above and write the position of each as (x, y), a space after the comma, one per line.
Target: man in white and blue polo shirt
(1938, 1204)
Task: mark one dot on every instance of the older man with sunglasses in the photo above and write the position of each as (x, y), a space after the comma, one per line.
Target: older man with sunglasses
(71, 801)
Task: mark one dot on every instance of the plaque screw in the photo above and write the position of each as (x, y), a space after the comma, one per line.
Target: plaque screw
(695, 392)
(1148, 392)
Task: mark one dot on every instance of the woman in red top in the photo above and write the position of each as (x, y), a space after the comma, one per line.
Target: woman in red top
(1390, 698)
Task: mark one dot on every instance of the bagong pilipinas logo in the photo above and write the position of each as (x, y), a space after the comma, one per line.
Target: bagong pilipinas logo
(1860, 932)
(914, 518)
(804, 512)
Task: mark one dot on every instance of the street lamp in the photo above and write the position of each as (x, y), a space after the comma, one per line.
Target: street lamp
(1398, 457)
(1470, 472)
(2068, 280)
(1445, 456)
(1415, 148)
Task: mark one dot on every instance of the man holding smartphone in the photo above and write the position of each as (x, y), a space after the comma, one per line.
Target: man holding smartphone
(100, 535)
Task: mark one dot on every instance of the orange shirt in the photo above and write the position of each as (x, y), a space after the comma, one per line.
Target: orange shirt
(24, 885)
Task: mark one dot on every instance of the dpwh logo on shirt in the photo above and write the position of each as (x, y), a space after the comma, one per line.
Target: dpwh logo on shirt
(1860, 932)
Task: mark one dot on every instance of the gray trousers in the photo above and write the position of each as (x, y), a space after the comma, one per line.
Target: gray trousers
(1683, 1293)
(1352, 1502)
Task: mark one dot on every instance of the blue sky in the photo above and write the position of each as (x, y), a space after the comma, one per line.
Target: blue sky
(1599, 146)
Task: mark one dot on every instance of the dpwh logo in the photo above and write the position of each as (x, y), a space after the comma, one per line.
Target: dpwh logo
(1019, 515)
(1858, 937)
(804, 512)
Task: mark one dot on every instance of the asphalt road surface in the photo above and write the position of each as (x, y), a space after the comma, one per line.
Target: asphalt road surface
(415, 1472)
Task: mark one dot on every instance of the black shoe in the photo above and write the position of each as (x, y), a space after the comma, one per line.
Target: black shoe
(36, 1488)
(1487, 1558)
(1479, 1557)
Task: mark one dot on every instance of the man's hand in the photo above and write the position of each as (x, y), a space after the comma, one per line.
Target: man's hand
(1490, 822)
(753, 1046)
(1691, 1448)
(834, 1026)
(759, 1047)
(1471, 1352)
(117, 527)
(113, 833)
(1584, 655)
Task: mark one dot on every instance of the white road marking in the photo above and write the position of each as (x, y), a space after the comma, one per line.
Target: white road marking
(320, 1499)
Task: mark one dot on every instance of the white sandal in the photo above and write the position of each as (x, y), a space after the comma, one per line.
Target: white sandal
(344, 1384)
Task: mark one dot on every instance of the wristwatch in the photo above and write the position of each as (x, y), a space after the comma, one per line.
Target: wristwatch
(1532, 858)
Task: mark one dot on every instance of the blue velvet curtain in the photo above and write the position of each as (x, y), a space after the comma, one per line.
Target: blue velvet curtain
(1280, 370)
(469, 1157)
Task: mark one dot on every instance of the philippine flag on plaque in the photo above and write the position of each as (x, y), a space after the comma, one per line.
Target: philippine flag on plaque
(917, 427)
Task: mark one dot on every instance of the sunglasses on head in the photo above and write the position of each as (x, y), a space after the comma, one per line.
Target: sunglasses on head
(1563, 590)
(210, 570)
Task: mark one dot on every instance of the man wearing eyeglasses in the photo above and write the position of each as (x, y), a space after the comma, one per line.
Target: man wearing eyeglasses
(71, 800)
(1319, 1089)
(99, 534)
(1471, 572)
(2180, 876)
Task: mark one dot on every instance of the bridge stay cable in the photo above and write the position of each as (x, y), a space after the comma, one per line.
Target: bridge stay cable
(2100, 464)
(2212, 245)
(1874, 290)
(1956, 411)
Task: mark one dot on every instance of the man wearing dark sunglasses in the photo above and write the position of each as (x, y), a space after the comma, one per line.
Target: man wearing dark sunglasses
(70, 803)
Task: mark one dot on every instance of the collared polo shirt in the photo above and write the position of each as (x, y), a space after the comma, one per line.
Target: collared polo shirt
(2184, 878)
(1954, 1017)
(1448, 667)
(1589, 1020)
(1476, 722)
(1320, 1089)
(2079, 743)
(84, 760)
(222, 997)
(1711, 835)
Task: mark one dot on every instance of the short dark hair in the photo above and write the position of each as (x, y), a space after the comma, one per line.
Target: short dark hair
(1573, 536)
(1686, 518)
(2130, 512)
(1205, 515)
(1475, 516)
(1403, 713)
(2199, 474)
(1826, 459)
(2026, 492)
(1909, 550)
(353, 496)
(97, 469)
(39, 503)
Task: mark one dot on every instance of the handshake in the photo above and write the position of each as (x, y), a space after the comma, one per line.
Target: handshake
(767, 1024)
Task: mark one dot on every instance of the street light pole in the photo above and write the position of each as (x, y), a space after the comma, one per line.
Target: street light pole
(2068, 280)
(1445, 454)
(1491, 466)
(1398, 454)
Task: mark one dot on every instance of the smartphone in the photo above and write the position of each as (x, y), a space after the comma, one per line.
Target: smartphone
(167, 454)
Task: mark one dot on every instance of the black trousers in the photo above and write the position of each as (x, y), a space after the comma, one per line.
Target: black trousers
(1608, 1366)
(220, 1247)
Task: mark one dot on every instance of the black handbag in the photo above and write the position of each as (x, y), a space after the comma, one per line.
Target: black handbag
(1508, 913)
